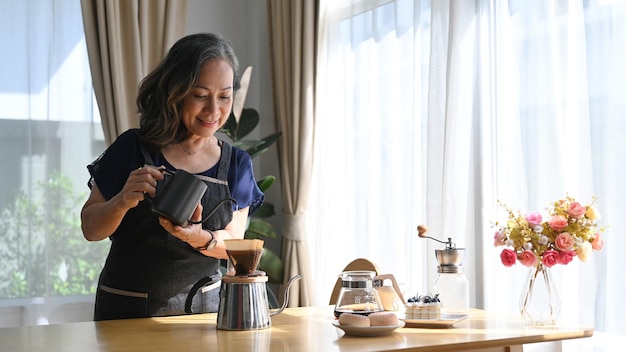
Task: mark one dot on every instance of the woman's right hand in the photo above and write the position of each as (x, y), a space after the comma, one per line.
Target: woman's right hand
(141, 182)
(101, 217)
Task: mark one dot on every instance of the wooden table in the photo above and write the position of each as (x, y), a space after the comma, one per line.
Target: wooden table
(295, 329)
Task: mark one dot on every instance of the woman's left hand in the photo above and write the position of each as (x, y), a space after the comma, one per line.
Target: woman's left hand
(190, 233)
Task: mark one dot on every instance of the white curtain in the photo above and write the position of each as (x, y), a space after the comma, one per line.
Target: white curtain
(434, 111)
(369, 182)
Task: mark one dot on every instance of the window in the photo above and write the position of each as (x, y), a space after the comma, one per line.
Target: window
(50, 130)
(431, 111)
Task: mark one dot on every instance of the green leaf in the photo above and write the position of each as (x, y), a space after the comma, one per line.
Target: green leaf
(273, 266)
(264, 144)
(247, 123)
(230, 127)
(260, 229)
(265, 211)
(266, 182)
(247, 144)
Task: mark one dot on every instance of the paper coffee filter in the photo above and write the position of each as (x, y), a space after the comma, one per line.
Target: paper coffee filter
(243, 244)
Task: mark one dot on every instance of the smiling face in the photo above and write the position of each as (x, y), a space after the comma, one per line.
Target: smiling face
(207, 105)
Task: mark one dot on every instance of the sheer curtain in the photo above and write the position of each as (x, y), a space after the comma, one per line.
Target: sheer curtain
(49, 131)
(433, 112)
(369, 181)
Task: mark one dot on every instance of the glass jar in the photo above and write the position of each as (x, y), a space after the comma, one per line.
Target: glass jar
(451, 283)
(453, 290)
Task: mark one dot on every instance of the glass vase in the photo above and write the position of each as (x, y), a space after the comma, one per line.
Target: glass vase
(540, 304)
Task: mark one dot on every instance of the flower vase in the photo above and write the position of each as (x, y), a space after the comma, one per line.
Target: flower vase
(540, 303)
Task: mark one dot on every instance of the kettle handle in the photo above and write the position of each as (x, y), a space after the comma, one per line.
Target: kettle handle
(286, 296)
(384, 277)
(194, 290)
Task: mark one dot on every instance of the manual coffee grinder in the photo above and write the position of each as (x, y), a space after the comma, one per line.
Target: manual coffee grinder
(243, 296)
(451, 284)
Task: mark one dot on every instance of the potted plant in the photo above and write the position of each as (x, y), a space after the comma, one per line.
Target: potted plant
(241, 122)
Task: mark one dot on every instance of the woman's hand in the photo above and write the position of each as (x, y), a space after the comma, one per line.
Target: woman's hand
(140, 182)
(197, 237)
(191, 233)
(101, 217)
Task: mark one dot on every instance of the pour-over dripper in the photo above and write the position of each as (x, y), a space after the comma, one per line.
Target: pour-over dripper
(244, 254)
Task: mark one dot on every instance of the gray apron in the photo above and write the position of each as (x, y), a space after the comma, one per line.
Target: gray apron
(149, 272)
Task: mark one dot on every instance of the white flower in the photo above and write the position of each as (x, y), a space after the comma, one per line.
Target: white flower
(528, 246)
(543, 240)
(584, 251)
(538, 229)
(593, 213)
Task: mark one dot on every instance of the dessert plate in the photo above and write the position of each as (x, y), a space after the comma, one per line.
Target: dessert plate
(445, 321)
(368, 330)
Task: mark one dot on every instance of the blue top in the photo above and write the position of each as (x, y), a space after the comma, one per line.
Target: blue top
(112, 167)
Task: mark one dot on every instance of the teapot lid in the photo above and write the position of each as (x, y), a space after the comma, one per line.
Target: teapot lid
(357, 279)
(258, 276)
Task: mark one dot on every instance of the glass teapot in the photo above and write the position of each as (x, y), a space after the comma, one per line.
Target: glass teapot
(357, 294)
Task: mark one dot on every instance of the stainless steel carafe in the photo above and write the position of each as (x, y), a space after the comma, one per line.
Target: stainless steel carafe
(244, 305)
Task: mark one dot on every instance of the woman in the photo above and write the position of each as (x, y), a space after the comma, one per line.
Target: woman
(153, 263)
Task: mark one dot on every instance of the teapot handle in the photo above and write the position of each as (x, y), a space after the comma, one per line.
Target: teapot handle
(195, 288)
(381, 278)
(286, 295)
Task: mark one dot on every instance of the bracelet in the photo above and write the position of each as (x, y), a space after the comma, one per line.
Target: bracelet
(210, 244)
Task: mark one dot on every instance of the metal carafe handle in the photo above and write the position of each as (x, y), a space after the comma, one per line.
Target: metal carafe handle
(209, 280)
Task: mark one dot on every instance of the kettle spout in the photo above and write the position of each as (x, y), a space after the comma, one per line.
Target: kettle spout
(286, 296)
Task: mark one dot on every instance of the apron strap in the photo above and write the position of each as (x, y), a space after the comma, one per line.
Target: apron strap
(222, 171)
(144, 150)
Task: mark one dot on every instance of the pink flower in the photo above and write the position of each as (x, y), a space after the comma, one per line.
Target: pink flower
(508, 257)
(566, 257)
(576, 210)
(564, 241)
(527, 258)
(550, 258)
(558, 222)
(533, 219)
(498, 239)
(597, 242)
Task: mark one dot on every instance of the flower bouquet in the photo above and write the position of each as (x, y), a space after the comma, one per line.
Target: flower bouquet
(569, 231)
